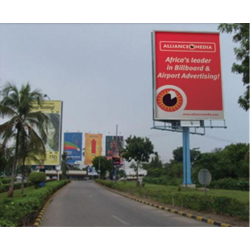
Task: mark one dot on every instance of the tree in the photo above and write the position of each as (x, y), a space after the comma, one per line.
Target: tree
(122, 173)
(155, 163)
(29, 148)
(210, 161)
(154, 167)
(234, 157)
(242, 55)
(139, 150)
(230, 162)
(64, 165)
(17, 106)
(174, 170)
(178, 154)
(102, 165)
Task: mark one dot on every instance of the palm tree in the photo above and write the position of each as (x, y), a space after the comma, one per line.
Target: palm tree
(30, 147)
(64, 165)
(17, 105)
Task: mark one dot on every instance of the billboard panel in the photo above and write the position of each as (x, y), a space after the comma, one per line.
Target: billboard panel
(114, 144)
(53, 109)
(187, 76)
(73, 146)
(93, 147)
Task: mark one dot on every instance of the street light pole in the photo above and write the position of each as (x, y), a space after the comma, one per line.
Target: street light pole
(116, 149)
(46, 96)
(99, 167)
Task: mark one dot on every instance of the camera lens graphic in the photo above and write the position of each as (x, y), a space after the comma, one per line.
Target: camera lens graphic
(170, 99)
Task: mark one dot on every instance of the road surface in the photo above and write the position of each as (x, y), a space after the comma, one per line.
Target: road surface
(86, 204)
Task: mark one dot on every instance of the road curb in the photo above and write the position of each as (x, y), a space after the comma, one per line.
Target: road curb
(199, 218)
(38, 219)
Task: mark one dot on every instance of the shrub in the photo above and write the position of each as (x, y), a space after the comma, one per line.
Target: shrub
(36, 178)
(6, 223)
(5, 187)
(230, 184)
(219, 205)
(6, 180)
(163, 180)
(243, 185)
(22, 212)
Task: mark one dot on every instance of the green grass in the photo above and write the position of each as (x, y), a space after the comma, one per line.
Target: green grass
(242, 196)
(17, 193)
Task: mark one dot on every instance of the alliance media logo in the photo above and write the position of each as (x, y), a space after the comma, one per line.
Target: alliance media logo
(187, 46)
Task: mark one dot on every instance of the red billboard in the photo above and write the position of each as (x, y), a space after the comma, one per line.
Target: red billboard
(187, 76)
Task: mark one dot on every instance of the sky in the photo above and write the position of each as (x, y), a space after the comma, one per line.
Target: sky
(103, 75)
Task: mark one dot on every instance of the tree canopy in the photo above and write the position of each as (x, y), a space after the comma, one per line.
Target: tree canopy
(139, 150)
(242, 55)
(102, 164)
(178, 154)
(231, 162)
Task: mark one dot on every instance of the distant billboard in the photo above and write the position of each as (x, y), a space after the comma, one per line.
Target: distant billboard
(73, 146)
(53, 109)
(114, 144)
(187, 76)
(93, 147)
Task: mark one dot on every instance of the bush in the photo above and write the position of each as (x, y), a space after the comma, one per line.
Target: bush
(243, 185)
(6, 223)
(6, 180)
(36, 178)
(5, 187)
(163, 180)
(219, 205)
(230, 184)
(23, 211)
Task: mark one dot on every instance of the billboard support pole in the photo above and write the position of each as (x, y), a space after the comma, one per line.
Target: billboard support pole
(186, 157)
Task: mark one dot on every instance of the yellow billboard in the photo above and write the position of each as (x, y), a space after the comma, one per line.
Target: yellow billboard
(93, 147)
(53, 109)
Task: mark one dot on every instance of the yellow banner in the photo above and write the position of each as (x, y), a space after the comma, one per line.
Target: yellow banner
(48, 107)
(93, 147)
(53, 109)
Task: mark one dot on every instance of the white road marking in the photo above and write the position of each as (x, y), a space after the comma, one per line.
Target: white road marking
(122, 221)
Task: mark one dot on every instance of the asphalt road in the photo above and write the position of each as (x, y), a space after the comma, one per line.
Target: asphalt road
(86, 204)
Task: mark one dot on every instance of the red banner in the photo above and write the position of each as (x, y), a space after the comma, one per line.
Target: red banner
(187, 76)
